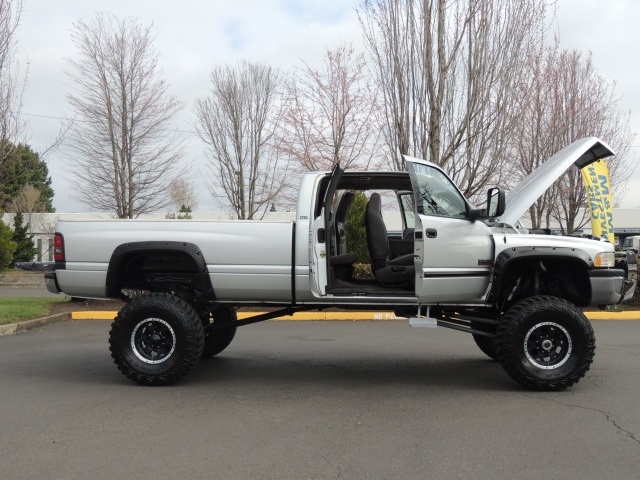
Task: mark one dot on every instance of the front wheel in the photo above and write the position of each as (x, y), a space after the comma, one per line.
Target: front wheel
(486, 344)
(545, 343)
(156, 339)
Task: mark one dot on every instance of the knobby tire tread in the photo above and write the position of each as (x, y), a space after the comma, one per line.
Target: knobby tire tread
(219, 340)
(190, 326)
(508, 331)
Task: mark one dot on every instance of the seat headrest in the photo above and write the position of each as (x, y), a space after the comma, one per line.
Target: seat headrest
(375, 202)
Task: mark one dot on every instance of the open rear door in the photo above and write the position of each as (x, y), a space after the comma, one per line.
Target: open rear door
(320, 237)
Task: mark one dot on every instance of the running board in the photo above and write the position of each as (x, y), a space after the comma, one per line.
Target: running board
(423, 320)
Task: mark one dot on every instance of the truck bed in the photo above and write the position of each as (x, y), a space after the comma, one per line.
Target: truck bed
(244, 259)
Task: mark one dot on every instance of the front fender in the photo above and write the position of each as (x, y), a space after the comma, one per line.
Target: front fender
(570, 262)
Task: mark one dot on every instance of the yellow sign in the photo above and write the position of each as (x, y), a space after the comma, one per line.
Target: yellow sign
(596, 180)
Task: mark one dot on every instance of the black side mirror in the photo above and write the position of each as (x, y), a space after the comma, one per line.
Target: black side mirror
(495, 205)
(495, 202)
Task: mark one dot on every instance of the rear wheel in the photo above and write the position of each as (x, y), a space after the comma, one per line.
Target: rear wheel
(215, 341)
(545, 343)
(156, 339)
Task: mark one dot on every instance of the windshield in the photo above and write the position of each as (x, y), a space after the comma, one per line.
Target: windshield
(628, 243)
(436, 194)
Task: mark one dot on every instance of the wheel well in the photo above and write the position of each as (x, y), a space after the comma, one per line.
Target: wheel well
(159, 267)
(562, 277)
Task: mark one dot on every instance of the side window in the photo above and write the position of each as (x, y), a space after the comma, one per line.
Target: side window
(408, 210)
(435, 193)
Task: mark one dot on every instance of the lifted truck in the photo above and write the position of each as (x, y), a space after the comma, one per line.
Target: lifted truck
(455, 266)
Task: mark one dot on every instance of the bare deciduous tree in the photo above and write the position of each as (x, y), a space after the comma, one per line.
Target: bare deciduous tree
(123, 153)
(329, 113)
(565, 100)
(183, 194)
(447, 72)
(237, 121)
(28, 202)
(12, 78)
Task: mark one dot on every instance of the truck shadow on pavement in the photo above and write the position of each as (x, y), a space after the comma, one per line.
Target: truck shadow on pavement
(257, 368)
(259, 373)
(354, 373)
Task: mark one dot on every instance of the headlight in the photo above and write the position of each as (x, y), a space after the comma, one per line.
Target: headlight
(605, 260)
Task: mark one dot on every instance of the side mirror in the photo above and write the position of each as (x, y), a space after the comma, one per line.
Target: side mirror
(495, 205)
(495, 202)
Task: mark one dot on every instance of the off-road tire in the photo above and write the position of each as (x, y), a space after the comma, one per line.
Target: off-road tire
(156, 339)
(545, 343)
(216, 341)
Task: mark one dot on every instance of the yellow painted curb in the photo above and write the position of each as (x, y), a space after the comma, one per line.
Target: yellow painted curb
(354, 316)
(344, 316)
(347, 316)
(604, 315)
(93, 315)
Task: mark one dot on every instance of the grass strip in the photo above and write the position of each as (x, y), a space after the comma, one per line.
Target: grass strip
(17, 309)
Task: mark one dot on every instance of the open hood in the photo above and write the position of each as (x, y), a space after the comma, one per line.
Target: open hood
(580, 153)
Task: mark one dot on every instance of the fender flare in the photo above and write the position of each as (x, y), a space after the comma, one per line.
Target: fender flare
(127, 250)
(510, 258)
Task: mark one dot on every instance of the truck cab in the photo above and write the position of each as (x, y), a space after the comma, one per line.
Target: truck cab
(452, 253)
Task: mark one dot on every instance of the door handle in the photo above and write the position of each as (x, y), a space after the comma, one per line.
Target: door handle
(431, 232)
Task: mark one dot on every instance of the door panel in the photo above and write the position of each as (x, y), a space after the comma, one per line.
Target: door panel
(321, 237)
(457, 260)
(454, 255)
(317, 257)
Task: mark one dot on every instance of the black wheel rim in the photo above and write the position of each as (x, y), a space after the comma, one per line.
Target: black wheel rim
(548, 345)
(153, 340)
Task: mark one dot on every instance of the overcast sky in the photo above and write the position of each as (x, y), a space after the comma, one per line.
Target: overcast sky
(194, 35)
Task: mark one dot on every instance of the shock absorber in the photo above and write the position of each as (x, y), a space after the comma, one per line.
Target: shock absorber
(537, 282)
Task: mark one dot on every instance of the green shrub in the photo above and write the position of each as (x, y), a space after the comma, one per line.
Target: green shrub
(7, 245)
(356, 231)
(362, 271)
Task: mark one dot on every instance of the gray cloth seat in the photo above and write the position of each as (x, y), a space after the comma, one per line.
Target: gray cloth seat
(400, 271)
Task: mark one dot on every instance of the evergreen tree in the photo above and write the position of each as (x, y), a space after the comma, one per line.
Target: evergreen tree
(25, 250)
(185, 213)
(7, 245)
(24, 166)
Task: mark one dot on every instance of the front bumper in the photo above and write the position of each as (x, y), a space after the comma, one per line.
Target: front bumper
(611, 286)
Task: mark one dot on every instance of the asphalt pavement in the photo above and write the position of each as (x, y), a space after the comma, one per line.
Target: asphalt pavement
(316, 400)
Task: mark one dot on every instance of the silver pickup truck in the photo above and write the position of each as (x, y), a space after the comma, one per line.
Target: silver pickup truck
(456, 266)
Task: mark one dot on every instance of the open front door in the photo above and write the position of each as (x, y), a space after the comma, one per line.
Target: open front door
(321, 238)
(453, 254)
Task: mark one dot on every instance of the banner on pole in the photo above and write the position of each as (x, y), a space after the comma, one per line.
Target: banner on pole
(596, 181)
